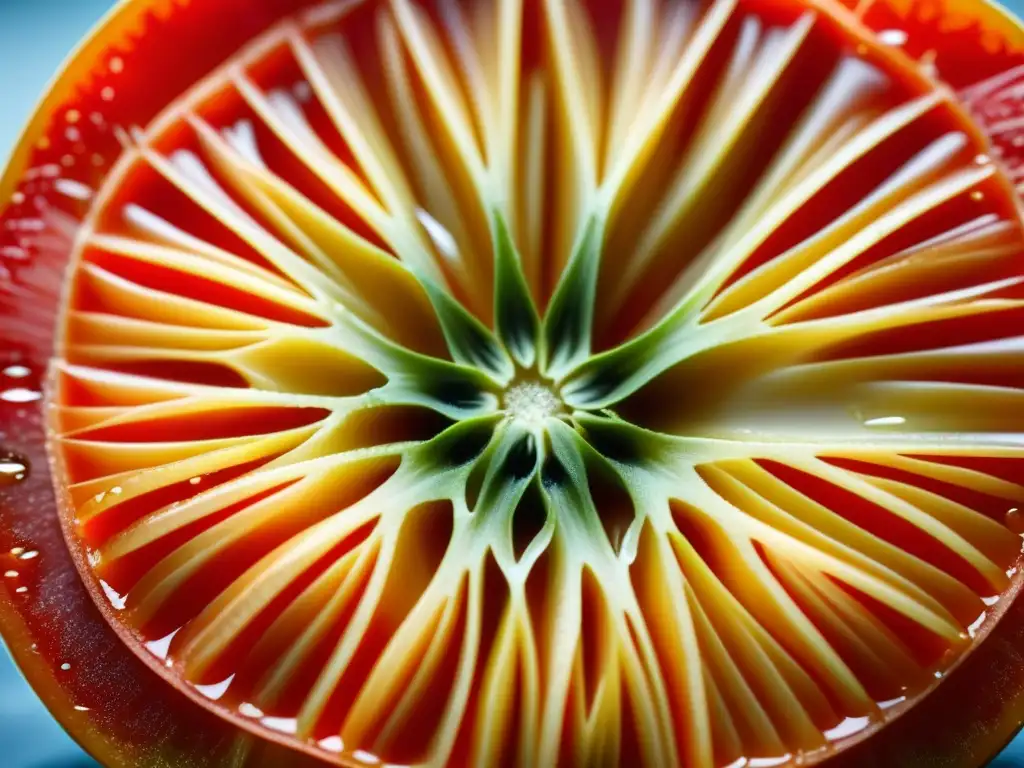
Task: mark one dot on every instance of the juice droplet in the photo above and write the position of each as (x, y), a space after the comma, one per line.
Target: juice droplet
(1015, 520)
(13, 469)
(20, 395)
(65, 667)
(17, 371)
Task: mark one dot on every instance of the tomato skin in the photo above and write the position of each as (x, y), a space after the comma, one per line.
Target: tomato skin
(144, 54)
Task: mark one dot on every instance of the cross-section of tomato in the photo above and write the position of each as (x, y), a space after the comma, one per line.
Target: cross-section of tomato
(526, 382)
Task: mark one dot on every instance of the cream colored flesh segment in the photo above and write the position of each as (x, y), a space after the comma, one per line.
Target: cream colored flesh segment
(563, 621)
(188, 173)
(163, 470)
(102, 329)
(1000, 545)
(635, 44)
(574, 93)
(210, 633)
(238, 170)
(982, 242)
(426, 668)
(338, 587)
(745, 713)
(407, 663)
(200, 266)
(172, 574)
(509, 111)
(443, 743)
(670, 624)
(286, 121)
(649, 127)
(113, 388)
(965, 478)
(515, 640)
(887, 208)
(775, 609)
(728, 746)
(433, 66)
(374, 275)
(759, 64)
(341, 656)
(873, 645)
(328, 64)
(879, 640)
(532, 201)
(428, 172)
(777, 701)
(874, 286)
(472, 58)
(111, 463)
(124, 297)
(166, 234)
(896, 505)
(928, 199)
(882, 128)
(762, 497)
(174, 517)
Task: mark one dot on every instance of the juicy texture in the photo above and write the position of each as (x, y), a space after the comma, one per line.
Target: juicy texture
(777, 301)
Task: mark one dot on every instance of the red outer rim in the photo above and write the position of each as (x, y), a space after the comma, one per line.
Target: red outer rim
(964, 721)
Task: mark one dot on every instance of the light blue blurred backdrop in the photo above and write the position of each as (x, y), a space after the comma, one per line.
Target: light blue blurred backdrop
(35, 36)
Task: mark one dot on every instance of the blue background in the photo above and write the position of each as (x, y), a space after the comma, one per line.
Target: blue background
(35, 36)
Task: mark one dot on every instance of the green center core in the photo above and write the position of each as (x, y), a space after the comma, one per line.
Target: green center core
(532, 402)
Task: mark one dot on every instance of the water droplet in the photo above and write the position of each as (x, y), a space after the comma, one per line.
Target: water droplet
(75, 190)
(117, 65)
(17, 371)
(894, 37)
(977, 195)
(21, 590)
(972, 630)
(215, 690)
(885, 421)
(889, 703)
(196, 480)
(107, 94)
(768, 762)
(11, 574)
(249, 710)
(20, 395)
(17, 551)
(982, 159)
(281, 724)
(13, 469)
(80, 708)
(99, 497)
(332, 744)
(30, 554)
(116, 490)
(366, 757)
(116, 600)
(162, 647)
(65, 666)
(847, 727)
(1014, 520)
